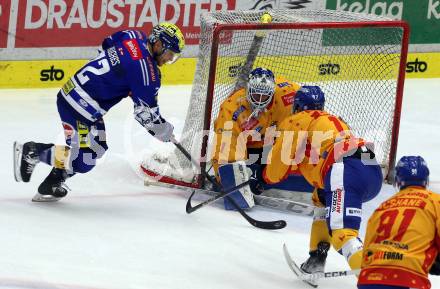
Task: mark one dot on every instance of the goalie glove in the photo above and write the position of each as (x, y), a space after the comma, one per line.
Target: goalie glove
(151, 119)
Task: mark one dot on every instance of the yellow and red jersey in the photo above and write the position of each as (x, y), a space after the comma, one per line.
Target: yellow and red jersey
(235, 130)
(402, 240)
(310, 141)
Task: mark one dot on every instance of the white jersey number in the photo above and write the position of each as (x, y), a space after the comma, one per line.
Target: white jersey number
(104, 68)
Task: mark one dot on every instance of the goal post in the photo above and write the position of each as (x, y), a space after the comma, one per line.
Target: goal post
(357, 59)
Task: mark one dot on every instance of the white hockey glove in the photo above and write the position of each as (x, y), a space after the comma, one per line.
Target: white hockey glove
(153, 122)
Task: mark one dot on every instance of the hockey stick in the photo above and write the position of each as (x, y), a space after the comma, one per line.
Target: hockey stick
(190, 209)
(270, 225)
(284, 205)
(254, 49)
(311, 279)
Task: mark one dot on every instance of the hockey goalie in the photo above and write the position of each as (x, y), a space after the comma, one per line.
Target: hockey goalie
(245, 129)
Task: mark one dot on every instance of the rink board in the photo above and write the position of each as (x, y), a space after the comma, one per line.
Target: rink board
(54, 73)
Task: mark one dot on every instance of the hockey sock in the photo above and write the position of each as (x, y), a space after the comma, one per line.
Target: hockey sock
(319, 232)
(55, 156)
(46, 155)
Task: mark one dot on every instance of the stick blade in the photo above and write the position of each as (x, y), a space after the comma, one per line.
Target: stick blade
(189, 208)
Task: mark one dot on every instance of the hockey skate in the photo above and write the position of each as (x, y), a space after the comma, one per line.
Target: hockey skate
(26, 157)
(316, 261)
(53, 187)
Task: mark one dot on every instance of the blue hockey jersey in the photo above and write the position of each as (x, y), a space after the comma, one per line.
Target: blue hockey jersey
(124, 67)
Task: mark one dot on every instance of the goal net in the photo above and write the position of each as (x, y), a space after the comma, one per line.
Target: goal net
(357, 59)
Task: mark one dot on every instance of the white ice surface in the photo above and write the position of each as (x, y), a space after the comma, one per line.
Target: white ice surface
(112, 232)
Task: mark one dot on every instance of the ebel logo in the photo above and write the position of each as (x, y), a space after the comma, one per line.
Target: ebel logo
(329, 69)
(51, 74)
(416, 66)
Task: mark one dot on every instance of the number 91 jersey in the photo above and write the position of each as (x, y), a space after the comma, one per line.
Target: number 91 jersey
(125, 67)
(402, 240)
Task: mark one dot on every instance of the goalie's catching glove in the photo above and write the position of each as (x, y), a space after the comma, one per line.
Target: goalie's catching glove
(151, 119)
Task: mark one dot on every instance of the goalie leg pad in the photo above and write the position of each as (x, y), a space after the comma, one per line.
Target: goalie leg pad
(232, 175)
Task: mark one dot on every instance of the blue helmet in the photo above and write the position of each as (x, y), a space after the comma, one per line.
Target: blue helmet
(170, 36)
(411, 171)
(308, 98)
(260, 88)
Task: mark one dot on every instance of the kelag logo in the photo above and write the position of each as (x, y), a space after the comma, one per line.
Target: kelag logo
(329, 68)
(51, 74)
(389, 8)
(416, 66)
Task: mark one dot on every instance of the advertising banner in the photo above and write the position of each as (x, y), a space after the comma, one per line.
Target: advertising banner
(4, 22)
(41, 40)
(56, 29)
(73, 29)
(79, 23)
(423, 16)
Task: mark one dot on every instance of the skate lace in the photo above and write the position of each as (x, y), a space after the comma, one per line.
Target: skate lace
(32, 161)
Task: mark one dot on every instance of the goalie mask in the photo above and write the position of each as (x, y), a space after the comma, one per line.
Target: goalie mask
(171, 38)
(260, 88)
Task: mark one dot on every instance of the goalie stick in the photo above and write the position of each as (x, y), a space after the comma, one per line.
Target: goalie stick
(311, 279)
(289, 206)
(269, 225)
(257, 41)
